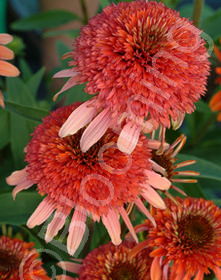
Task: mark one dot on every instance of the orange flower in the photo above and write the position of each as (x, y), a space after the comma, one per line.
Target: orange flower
(18, 260)
(110, 262)
(97, 183)
(147, 66)
(6, 68)
(164, 161)
(187, 237)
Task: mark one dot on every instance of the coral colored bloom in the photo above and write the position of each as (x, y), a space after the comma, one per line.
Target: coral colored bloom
(188, 237)
(97, 183)
(147, 66)
(6, 68)
(18, 260)
(164, 161)
(110, 262)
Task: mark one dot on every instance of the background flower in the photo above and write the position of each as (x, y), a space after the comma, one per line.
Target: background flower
(111, 262)
(18, 260)
(187, 237)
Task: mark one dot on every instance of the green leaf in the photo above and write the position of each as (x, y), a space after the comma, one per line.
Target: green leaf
(19, 137)
(211, 25)
(71, 33)
(187, 11)
(25, 69)
(4, 128)
(207, 169)
(76, 93)
(61, 49)
(18, 92)
(217, 202)
(34, 82)
(203, 107)
(17, 212)
(104, 3)
(192, 189)
(30, 113)
(48, 19)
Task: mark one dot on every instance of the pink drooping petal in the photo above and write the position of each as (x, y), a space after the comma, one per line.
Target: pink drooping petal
(70, 266)
(78, 119)
(16, 177)
(155, 144)
(178, 122)
(26, 184)
(5, 38)
(142, 208)
(166, 271)
(217, 272)
(152, 197)
(69, 84)
(95, 130)
(155, 269)
(148, 126)
(42, 213)
(8, 70)
(157, 181)
(112, 224)
(158, 168)
(128, 138)
(76, 230)
(67, 73)
(6, 53)
(56, 224)
(128, 223)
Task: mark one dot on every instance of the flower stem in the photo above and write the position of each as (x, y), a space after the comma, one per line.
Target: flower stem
(84, 11)
(197, 11)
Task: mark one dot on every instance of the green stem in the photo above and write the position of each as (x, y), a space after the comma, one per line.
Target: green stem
(204, 129)
(84, 11)
(197, 11)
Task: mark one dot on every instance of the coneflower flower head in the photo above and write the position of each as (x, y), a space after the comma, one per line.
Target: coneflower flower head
(111, 262)
(18, 260)
(187, 238)
(98, 183)
(147, 66)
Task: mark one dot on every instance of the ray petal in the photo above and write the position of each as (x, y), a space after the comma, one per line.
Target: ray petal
(70, 266)
(41, 214)
(128, 138)
(95, 130)
(78, 119)
(153, 197)
(8, 70)
(157, 181)
(112, 224)
(56, 224)
(76, 230)
(128, 223)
